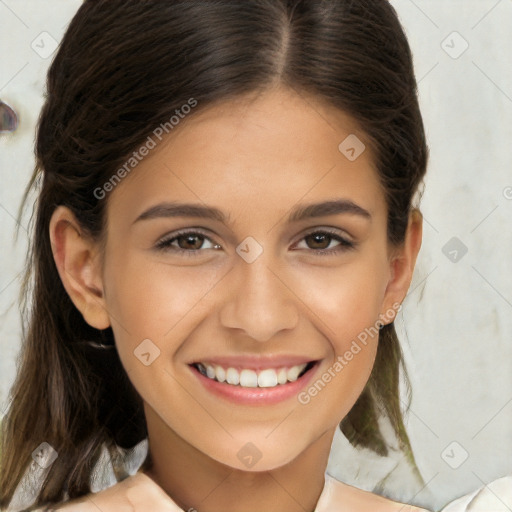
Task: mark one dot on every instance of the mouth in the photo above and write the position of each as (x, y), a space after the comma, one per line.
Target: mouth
(248, 378)
(260, 384)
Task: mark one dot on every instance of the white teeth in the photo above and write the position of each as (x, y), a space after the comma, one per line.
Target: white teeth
(232, 377)
(210, 371)
(282, 377)
(268, 378)
(248, 379)
(293, 373)
(220, 374)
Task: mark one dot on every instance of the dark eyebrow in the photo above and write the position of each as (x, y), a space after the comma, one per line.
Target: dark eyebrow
(183, 210)
(297, 214)
(333, 207)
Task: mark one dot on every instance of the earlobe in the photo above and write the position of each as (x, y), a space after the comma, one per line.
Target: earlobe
(402, 266)
(77, 260)
(414, 238)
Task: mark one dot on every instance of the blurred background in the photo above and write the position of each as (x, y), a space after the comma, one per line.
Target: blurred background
(456, 323)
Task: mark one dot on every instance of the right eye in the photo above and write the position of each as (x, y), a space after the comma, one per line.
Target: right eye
(186, 242)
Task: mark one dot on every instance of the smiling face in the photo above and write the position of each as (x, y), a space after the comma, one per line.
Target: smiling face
(276, 264)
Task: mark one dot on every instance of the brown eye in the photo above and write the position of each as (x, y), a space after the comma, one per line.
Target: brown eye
(190, 242)
(321, 243)
(319, 240)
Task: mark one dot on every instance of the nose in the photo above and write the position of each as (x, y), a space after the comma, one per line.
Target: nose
(259, 302)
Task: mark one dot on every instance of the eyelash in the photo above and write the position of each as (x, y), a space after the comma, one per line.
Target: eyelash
(344, 244)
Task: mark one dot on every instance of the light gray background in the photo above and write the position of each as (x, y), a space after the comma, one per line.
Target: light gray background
(456, 323)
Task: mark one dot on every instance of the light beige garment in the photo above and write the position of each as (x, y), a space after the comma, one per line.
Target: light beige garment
(493, 497)
(139, 493)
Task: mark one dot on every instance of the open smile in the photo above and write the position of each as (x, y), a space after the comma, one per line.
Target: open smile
(247, 378)
(264, 385)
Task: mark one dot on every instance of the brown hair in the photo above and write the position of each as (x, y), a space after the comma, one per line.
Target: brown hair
(123, 68)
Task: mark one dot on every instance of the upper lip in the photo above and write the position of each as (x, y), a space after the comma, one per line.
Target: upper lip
(256, 362)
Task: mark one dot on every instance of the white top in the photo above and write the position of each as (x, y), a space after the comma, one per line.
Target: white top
(494, 497)
(139, 493)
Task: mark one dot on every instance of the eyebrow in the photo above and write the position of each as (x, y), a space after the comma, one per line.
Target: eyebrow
(299, 213)
(334, 207)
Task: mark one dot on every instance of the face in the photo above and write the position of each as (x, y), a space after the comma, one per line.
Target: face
(275, 281)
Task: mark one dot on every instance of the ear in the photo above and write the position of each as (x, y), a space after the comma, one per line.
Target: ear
(78, 261)
(402, 262)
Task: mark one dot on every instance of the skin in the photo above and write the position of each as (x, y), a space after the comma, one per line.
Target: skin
(255, 159)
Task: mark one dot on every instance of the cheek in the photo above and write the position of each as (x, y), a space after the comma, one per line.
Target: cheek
(352, 335)
(148, 298)
(346, 304)
(346, 300)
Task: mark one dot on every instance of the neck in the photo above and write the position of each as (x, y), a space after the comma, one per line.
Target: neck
(195, 481)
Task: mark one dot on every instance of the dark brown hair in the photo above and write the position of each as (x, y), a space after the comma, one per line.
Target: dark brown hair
(123, 68)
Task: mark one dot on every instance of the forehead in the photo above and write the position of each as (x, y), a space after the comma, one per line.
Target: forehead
(270, 149)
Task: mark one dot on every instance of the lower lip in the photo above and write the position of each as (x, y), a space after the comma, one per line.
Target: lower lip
(256, 396)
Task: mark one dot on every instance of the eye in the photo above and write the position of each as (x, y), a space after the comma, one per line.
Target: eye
(321, 242)
(186, 242)
(191, 243)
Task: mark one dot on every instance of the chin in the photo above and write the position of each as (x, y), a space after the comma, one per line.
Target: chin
(262, 453)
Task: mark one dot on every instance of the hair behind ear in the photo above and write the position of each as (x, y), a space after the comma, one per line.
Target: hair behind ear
(381, 393)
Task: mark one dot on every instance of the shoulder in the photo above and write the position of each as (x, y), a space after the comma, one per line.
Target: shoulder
(136, 493)
(496, 496)
(336, 492)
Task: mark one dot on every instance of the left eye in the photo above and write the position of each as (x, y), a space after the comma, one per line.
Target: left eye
(320, 242)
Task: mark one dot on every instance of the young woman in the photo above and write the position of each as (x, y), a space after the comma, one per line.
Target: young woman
(225, 231)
